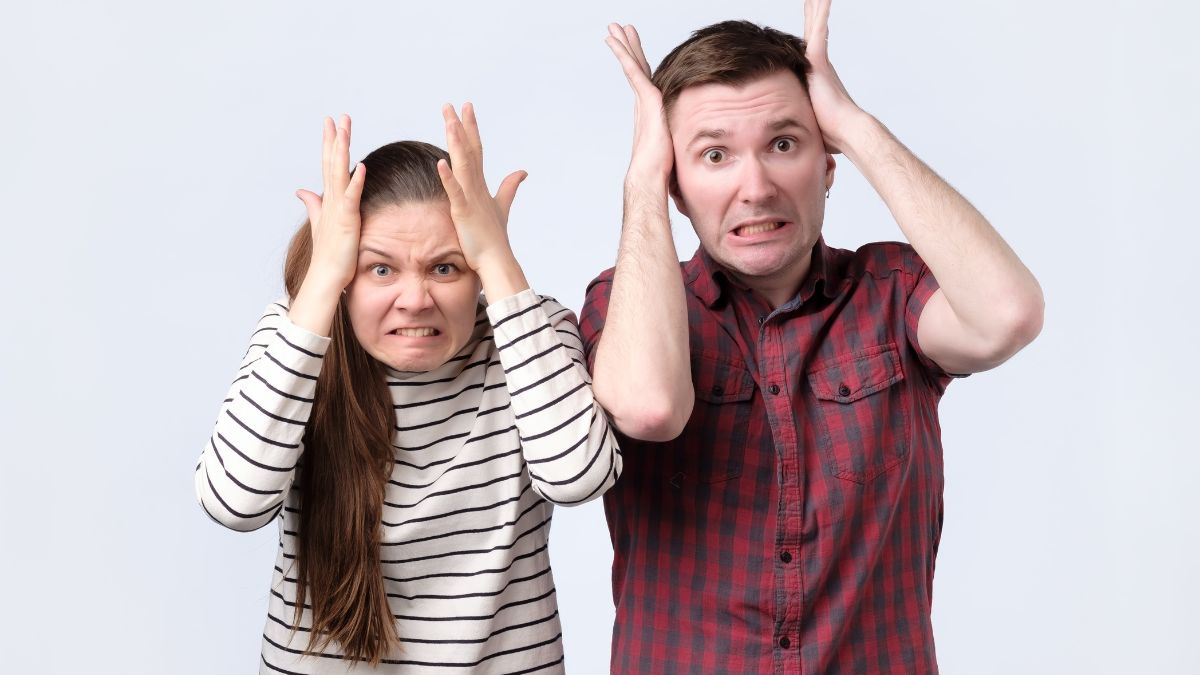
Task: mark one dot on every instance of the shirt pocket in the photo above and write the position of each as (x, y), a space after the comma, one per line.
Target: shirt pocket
(863, 418)
(716, 436)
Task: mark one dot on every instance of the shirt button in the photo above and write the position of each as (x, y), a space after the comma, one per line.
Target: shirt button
(785, 557)
(774, 389)
(717, 390)
(784, 642)
(843, 390)
(762, 319)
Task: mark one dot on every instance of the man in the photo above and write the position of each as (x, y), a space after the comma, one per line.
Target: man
(781, 505)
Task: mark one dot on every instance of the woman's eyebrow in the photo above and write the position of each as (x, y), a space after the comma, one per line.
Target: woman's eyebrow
(447, 253)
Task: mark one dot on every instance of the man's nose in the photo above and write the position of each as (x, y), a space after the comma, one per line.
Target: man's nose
(756, 185)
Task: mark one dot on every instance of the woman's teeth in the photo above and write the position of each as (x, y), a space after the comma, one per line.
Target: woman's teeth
(415, 332)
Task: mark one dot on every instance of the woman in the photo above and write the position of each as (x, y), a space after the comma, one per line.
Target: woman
(408, 438)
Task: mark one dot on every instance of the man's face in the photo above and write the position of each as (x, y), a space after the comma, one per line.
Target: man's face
(752, 172)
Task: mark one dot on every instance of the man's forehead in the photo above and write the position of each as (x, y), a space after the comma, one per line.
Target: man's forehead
(766, 101)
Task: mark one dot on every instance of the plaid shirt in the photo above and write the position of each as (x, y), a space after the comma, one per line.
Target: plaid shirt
(792, 526)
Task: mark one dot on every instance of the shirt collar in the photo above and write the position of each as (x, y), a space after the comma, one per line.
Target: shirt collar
(709, 280)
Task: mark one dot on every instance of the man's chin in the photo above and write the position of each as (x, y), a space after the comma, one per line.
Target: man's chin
(760, 267)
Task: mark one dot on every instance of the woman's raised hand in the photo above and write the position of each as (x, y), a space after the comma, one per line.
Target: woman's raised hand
(334, 215)
(480, 218)
(335, 223)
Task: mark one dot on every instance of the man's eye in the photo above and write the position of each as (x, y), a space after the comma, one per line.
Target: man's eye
(444, 269)
(784, 145)
(381, 270)
(714, 156)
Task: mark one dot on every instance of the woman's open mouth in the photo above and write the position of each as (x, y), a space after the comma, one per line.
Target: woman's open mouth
(416, 332)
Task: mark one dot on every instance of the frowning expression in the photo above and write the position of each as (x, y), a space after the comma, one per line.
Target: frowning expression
(413, 300)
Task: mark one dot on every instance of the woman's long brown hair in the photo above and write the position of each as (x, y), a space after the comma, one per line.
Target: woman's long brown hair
(348, 444)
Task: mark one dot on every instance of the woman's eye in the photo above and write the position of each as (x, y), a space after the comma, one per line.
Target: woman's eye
(381, 270)
(785, 145)
(714, 156)
(444, 269)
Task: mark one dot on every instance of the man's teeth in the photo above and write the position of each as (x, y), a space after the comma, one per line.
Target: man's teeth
(415, 332)
(759, 228)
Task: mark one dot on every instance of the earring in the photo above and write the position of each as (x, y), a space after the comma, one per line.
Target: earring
(826, 193)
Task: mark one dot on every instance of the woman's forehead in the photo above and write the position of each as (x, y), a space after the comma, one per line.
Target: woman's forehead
(410, 231)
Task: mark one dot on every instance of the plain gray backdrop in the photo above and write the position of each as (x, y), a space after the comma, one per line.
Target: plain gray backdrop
(150, 153)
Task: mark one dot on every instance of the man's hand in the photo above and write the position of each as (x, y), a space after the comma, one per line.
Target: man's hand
(653, 157)
(989, 305)
(834, 108)
(642, 373)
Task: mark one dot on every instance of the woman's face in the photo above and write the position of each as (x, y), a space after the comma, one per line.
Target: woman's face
(413, 299)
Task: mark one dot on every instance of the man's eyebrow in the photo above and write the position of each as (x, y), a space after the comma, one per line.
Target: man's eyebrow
(786, 123)
(775, 125)
(706, 133)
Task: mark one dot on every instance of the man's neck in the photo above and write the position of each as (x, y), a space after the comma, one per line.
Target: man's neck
(779, 288)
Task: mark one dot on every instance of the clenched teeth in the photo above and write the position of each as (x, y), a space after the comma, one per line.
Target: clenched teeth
(747, 230)
(415, 332)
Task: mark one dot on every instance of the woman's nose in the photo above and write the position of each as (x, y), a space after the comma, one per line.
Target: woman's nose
(413, 296)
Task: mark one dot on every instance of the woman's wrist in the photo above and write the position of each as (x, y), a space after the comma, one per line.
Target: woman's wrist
(501, 275)
(315, 304)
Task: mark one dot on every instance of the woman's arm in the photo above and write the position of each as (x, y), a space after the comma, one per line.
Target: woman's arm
(566, 437)
(249, 462)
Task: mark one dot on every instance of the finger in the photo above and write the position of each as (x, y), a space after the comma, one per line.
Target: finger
(340, 164)
(355, 188)
(635, 47)
(312, 205)
(629, 65)
(465, 167)
(508, 191)
(327, 137)
(615, 30)
(471, 125)
(816, 27)
(450, 184)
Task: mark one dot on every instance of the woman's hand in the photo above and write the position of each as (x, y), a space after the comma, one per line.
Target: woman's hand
(480, 218)
(335, 222)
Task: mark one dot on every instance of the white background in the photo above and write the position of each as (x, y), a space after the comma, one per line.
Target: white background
(149, 156)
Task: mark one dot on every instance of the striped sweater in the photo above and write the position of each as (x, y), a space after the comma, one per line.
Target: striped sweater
(483, 445)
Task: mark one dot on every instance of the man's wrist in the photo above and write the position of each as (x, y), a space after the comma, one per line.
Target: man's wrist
(860, 136)
(646, 189)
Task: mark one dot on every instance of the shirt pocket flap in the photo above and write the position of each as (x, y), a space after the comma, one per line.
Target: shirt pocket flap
(858, 375)
(719, 381)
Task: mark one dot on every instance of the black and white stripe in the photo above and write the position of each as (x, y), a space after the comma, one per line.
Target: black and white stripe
(483, 445)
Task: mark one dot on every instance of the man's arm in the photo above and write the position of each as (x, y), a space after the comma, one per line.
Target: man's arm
(642, 370)
(989, 305)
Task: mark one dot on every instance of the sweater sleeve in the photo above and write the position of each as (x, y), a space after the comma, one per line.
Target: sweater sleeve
(249, 462)
(566, 437)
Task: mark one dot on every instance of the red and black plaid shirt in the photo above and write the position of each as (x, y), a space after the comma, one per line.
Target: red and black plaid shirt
(792, 527)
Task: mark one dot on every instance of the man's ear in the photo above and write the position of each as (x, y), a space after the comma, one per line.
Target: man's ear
(677, 196)
(830, 165)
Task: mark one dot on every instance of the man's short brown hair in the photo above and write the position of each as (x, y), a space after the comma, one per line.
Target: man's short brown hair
(732, 53)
